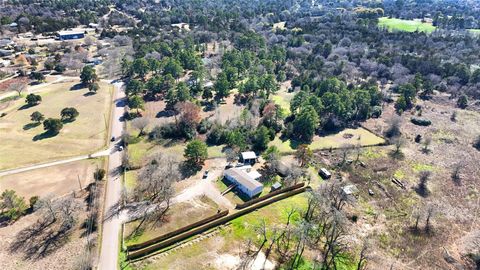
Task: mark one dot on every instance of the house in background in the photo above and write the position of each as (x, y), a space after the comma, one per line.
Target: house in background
(68, 35)
(248, 157)
(245, 180)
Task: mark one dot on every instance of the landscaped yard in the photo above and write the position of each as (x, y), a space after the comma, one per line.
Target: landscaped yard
(394, 24)
(24, 143)
(359, 136)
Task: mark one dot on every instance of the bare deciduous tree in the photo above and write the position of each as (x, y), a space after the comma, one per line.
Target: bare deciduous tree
(394, 126)
(155, 188)
(398, 143)
(426, 144)
(18, 87)
(456, 172)
(140, 124)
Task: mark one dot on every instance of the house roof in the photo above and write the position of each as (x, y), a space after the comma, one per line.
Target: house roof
(276, 185)
(254, 174)
(71, 32)
(243, 178)
(325, 171)
(249, 155)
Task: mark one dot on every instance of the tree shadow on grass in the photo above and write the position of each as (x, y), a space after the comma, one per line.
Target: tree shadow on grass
(165, 114)
(40, 239)
(89, 94)
(26, 106)
(30, 126)
(187, 169)
(44, 135)
(77, 86)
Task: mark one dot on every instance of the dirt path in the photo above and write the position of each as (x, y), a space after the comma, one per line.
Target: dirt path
(102, 153)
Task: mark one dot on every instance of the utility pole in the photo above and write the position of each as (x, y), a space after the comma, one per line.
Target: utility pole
(105, 119)
(79, 182)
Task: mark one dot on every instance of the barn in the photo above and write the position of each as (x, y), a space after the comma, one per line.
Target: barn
(245, 181)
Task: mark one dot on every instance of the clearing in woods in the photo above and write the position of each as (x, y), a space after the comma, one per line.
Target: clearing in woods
(394, 24)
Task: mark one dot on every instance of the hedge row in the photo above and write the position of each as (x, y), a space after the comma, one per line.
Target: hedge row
(175, 232)
(269, 195)
(168, 242)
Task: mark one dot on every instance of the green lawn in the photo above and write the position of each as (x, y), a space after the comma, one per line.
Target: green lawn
(360, 136)
(282, 102)
(394, 24)
(274, 214)
(130, 180)
(138, 151)
(24, 143)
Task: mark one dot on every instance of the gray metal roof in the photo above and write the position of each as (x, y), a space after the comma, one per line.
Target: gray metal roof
(243, 178)
(249, 155)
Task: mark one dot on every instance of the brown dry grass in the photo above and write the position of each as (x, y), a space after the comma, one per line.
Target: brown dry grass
(57, 180)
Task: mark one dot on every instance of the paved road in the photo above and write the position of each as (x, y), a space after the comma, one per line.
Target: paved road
(111, 226)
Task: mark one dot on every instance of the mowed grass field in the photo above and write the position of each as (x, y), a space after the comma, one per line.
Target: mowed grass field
(359, 136)
(85, 135)
(394, 24)
(57, 180)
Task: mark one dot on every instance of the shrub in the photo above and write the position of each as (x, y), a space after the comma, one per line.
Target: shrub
(462, 101)
(216, 135)
(166, 131)
(204, 126)
(129, 139)
(99, 174)
(420, 121)
(33, 200)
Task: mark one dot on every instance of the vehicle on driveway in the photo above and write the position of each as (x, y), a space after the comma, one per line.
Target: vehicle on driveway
(112, 139)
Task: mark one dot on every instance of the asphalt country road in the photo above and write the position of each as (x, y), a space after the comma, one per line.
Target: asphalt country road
(112, 224)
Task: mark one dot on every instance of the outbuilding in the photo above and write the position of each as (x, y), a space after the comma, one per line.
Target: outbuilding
(67, 35)
(249, 157)
(245, 181)
(276, 186)
(324, 173)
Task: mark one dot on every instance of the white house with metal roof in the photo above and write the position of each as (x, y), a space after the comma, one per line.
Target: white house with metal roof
(245, 180)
